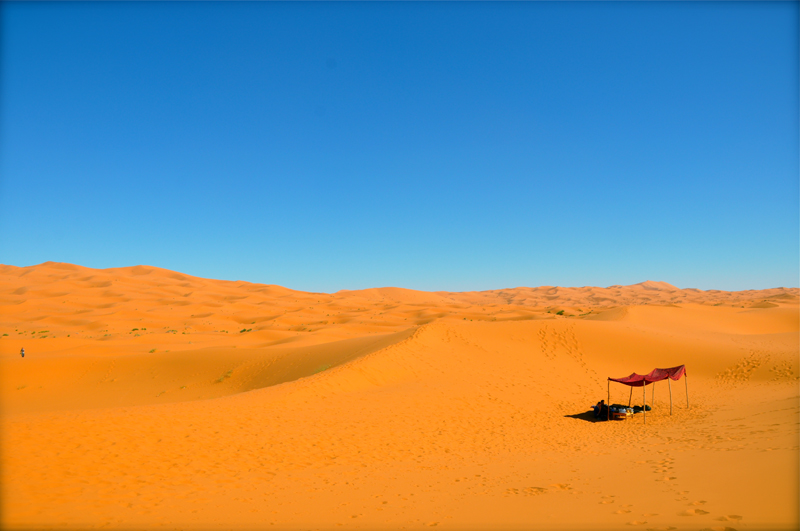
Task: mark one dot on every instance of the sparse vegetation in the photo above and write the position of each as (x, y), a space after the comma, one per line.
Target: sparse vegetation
(243, 330)
(560, 312)
(152, 350)
(323, 368)
(226, 375)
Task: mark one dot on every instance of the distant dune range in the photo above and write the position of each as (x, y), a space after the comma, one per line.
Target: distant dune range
(149, 399)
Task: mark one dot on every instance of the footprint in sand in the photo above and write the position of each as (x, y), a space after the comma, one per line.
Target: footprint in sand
(561, 486)
(700, 502)
(636, 522)
(622, 511)
(693, 512)
(729, 518)
(534, 491)
(668, 528)
(528, 491)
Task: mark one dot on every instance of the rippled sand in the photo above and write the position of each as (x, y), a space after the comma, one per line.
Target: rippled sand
(149, 398)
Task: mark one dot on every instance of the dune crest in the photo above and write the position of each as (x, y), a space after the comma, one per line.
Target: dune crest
(658, 286)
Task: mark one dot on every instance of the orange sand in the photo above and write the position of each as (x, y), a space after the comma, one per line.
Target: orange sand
(140, 403)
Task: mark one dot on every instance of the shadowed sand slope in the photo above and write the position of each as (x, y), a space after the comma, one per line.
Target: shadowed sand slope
(82, 381)
(261, 407)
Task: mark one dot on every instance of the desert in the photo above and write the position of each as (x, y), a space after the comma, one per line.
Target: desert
(148, 398)
(391, 265)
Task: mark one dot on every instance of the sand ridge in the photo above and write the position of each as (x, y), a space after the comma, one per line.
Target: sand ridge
(151, 398)
(135, 302)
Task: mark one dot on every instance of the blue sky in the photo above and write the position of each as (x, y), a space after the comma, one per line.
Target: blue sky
(435, 146)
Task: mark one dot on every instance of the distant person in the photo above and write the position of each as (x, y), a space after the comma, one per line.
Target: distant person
(599, 409)
(22, 352)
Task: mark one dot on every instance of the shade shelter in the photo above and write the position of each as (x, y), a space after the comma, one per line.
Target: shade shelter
(643, 380)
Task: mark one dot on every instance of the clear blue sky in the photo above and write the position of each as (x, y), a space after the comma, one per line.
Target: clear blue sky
(436, 146)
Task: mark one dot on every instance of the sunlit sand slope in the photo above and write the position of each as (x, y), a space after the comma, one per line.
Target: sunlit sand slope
(390, 408)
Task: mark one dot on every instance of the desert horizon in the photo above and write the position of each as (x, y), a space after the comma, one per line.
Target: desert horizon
(148, 398)
(140, 269)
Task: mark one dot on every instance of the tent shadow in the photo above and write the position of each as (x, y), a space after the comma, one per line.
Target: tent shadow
(588, 416)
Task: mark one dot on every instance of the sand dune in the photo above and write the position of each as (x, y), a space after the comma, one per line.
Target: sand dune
(149, 398)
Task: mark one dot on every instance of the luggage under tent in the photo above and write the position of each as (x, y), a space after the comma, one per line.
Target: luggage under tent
(643, 380)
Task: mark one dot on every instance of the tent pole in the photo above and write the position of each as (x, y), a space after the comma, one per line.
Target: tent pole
(631, 398)
(653, 399)
(608, 404)
(644, 403)
(686, 381)
(669, 383)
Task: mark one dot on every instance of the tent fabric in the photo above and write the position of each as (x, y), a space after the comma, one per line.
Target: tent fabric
(656, 375)
(673, 373)
(634, 380)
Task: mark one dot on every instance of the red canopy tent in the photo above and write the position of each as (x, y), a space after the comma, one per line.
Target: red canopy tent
(656, 375)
